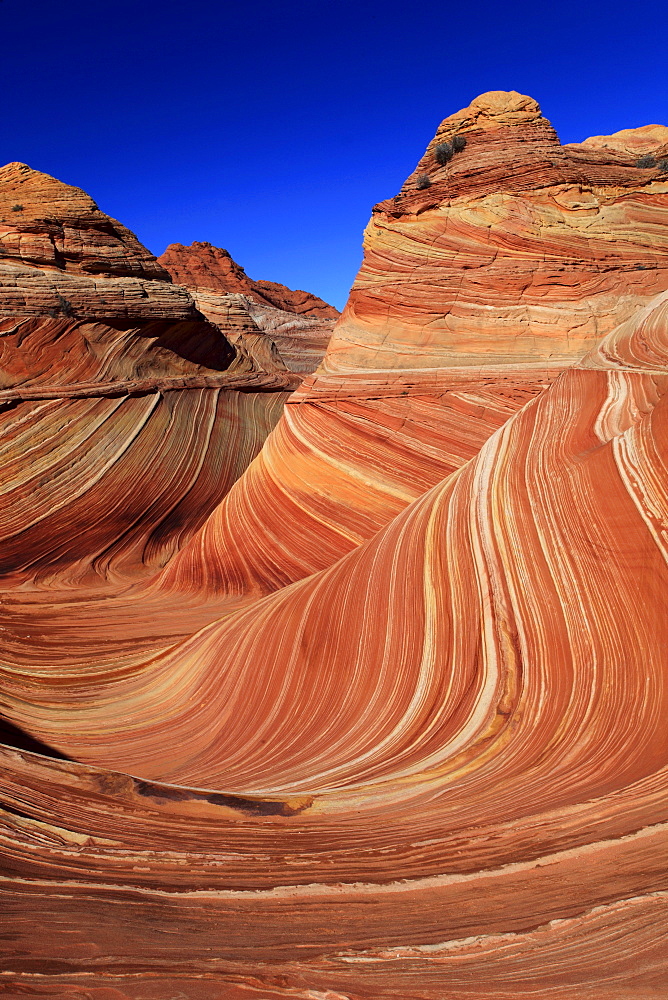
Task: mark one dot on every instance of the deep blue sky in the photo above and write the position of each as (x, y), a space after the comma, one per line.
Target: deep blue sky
(272, 128)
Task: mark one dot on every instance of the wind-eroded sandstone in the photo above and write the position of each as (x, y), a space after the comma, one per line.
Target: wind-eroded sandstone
(50, 224)
(125, 413)
(353, 838)
(386, 720)
(473, 295)
(519, 248)
(297, 324)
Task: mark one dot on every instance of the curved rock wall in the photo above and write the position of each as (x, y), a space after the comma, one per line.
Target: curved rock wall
(473, 295)
(391, 724)
(100, 488)
(126, 414)
(441, 760)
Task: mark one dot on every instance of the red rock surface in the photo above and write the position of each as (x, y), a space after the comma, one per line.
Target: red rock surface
(297, 324)
(125, 415)
(519, 250)
(203, 266)
(391, 723)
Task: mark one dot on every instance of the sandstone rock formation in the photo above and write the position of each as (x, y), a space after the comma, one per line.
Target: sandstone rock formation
(203, 266)
(516, 243)
(139, 413)
(391, 723)
(82, 301)
(51, 224)
(473, 295)
(298, 324)
(646, 140)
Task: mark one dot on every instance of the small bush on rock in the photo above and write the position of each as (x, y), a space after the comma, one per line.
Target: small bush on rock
(444, 152)
(423, 182)
(663, 166)
(646, 161)
(17, 208)
(64, 308)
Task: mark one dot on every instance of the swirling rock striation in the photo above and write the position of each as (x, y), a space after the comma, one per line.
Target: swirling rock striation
(473, 295)
(391, 723)
(358, 842)
(125, 414)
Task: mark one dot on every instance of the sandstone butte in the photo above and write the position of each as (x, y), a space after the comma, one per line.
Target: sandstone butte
(379, 713)
(298, 323)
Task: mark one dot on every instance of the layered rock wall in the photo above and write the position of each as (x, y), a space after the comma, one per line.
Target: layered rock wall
(355, 732)
(122, 408)
(390, 722)
(50, 224)
(474, 293)
(297, 324)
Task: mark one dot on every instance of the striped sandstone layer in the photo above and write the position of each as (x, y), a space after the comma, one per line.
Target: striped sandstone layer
(391, 723)
(441, 762)
(125, 413)
(474, 293)
(49, 224)
(518, 249)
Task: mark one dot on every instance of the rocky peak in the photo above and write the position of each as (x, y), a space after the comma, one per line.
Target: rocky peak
(495, 108)
(502, 143)
(46, 223)
(204, 267)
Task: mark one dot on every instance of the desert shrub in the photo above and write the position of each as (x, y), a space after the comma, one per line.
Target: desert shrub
(444, 152)
(663, 166)
(17, 208)
(646, 161)
(64, 308)
(423, 182)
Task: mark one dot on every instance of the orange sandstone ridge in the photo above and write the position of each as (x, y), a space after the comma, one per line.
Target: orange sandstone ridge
(298, 324)
(137, 413)
(386, 718)
(473, 295)
(203, 266)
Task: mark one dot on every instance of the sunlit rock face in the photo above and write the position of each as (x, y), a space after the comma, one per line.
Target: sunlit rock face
(516, 250)
(647, 140)
(82, 301)
(474, 293)
(125, 413)
(297, 324)
(391, 724)
(441, 761)
(50, 224)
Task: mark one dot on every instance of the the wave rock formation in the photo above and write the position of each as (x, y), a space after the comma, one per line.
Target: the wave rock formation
(375, 707)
